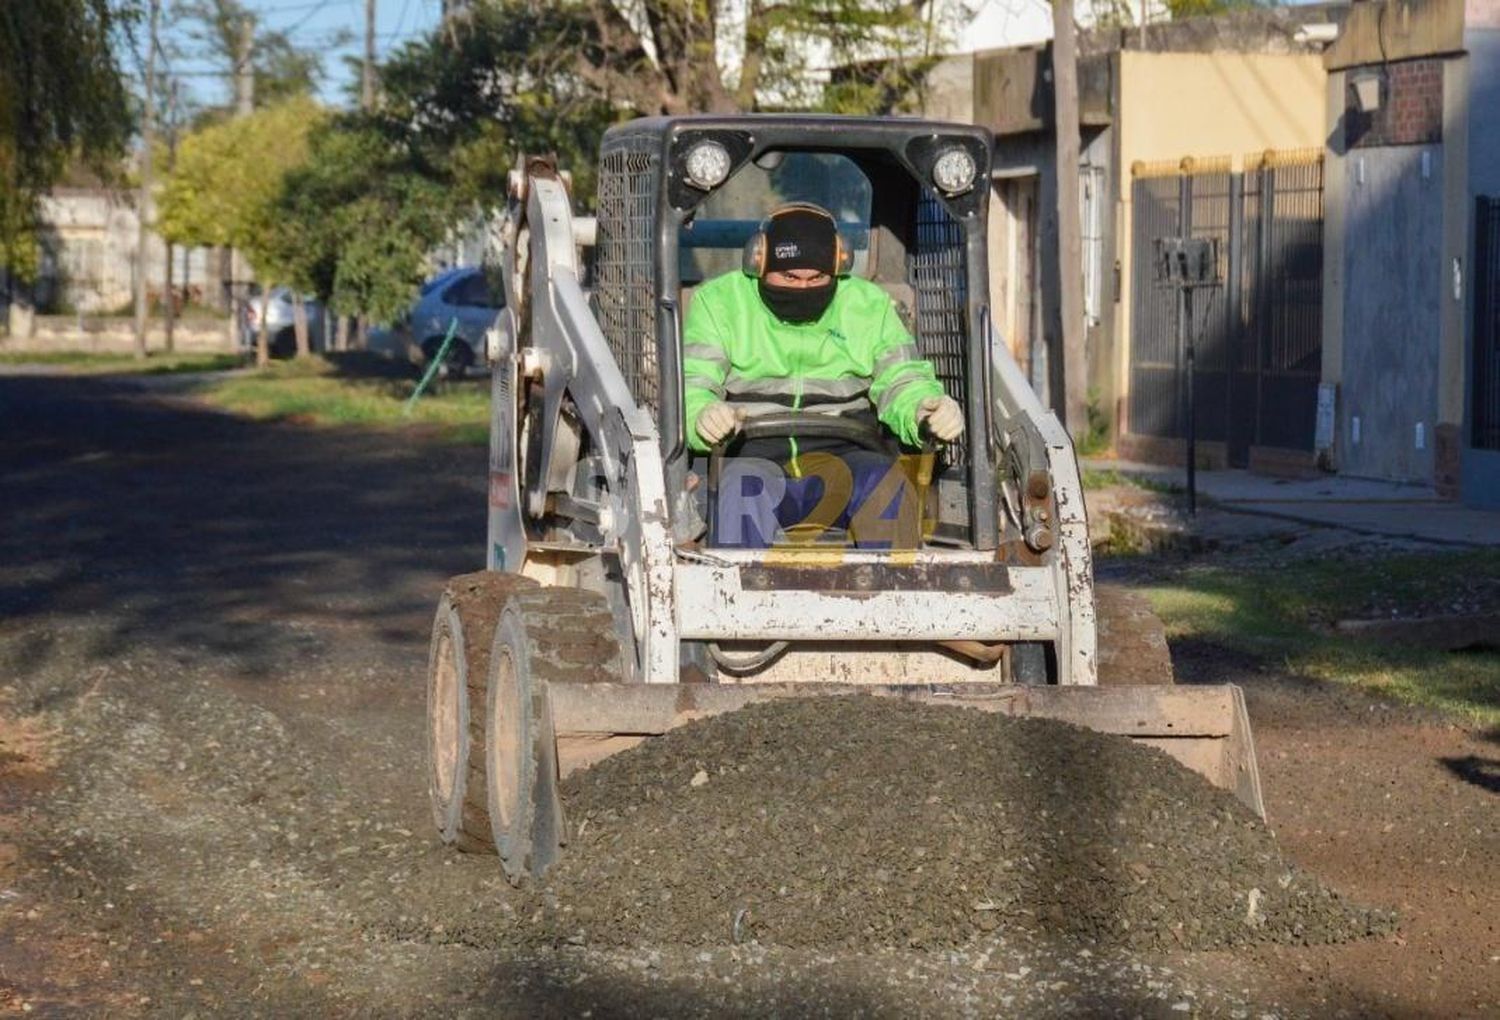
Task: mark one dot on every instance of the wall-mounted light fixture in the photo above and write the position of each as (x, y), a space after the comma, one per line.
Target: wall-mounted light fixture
(1368, 86)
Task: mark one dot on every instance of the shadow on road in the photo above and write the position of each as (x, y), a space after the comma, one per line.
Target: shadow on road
(1481, 772)
(159, 522)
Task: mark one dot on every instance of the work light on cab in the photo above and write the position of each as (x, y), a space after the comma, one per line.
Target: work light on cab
(954, 172)
(707, 165)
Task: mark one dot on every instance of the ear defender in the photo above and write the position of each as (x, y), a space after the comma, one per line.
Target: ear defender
(843, 254)
(753, 258)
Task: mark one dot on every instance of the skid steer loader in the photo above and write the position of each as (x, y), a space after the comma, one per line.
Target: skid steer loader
(608, 613)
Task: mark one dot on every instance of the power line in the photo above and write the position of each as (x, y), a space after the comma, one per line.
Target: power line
(287, 8)
(401, 21)
(316, 9)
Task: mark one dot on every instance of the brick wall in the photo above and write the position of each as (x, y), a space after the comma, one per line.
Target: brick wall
(1411, 107)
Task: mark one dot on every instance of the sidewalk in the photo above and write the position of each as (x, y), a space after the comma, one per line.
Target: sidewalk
(1360, 505)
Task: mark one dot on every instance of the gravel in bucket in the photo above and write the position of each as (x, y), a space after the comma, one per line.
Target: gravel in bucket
(863, 822)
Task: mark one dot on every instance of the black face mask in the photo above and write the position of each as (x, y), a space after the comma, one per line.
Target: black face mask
(798, 304)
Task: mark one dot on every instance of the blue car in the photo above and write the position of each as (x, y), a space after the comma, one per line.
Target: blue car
(461, 294)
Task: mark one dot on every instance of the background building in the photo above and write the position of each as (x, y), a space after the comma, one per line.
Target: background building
(1413, 241)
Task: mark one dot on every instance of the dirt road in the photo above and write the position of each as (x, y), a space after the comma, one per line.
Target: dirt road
(212, 637)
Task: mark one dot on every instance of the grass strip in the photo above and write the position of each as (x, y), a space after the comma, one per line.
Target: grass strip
(355, 392)
(1287, 614)
(1094, 479)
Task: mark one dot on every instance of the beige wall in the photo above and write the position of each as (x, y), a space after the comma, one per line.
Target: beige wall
(949, 92)
(1203, 105)
(1218, 104)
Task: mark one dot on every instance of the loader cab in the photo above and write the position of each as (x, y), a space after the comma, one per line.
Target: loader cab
(679, 197)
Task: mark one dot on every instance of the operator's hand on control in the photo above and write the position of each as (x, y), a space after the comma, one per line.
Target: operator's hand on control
(717, 422)
(944, 418)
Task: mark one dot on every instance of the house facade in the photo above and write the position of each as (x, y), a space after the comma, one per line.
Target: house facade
(1187, 127)
(1412, 278)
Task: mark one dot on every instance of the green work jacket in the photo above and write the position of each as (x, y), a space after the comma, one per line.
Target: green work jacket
(857, 355)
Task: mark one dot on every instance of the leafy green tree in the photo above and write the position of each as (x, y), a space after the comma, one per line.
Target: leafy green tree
(228, 183)
(464, 104)
(381, 189)
(61, 97)
(358, 219)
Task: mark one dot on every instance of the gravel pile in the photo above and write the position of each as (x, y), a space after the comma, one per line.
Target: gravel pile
(862, 822)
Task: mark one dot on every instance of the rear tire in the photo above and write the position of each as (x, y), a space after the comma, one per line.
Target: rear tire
(544, 636)
(457, 669)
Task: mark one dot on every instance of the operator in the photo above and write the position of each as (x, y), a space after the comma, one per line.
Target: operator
(794, 331)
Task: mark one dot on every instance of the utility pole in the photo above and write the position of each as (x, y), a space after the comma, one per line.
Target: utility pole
(1069, 227)
(244, 105)
(367, 103)
(171, 309)
(367, 76)
(244, 69)
(143, 203)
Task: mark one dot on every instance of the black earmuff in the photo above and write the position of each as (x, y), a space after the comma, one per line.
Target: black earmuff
(753, 260)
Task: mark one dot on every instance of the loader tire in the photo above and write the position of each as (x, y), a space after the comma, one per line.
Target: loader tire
(1132, 643)
(457, 671)
(544, 636)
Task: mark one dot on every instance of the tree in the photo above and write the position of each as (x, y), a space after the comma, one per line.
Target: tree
(62, 97)
(462, 106)
(686, 56)
(357, 220)
(228, 183)
(381, 189)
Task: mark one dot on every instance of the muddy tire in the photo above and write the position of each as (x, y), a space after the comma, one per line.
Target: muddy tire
(544, 636)
(1132, 646)
(457, 671)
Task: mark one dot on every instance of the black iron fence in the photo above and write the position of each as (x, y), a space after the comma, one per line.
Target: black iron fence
(1486, 408)
(1259, 333)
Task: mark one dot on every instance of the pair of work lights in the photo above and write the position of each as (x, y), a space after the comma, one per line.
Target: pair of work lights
(708, 163)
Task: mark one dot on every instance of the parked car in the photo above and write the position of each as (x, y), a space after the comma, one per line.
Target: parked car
(280, 325)
(461, 294)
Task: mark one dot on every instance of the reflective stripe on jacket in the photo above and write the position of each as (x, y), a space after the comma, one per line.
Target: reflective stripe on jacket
(857, 354)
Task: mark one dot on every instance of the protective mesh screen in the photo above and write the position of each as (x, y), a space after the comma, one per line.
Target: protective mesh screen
(624, 268)
(937, 270)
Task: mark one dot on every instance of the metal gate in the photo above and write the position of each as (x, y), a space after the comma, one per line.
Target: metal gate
(1486, 409)
(1259, 346)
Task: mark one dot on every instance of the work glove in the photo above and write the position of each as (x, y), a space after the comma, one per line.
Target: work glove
(944, 418)
(718, 421)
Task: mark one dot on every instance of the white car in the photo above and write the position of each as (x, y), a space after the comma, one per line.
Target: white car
(280, 327)
(460, 295)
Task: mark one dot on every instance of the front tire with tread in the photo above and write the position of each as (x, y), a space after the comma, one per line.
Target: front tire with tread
(457, 676)
(544, 636)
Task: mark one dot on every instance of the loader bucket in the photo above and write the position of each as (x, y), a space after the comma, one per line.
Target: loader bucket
(1206, 728)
